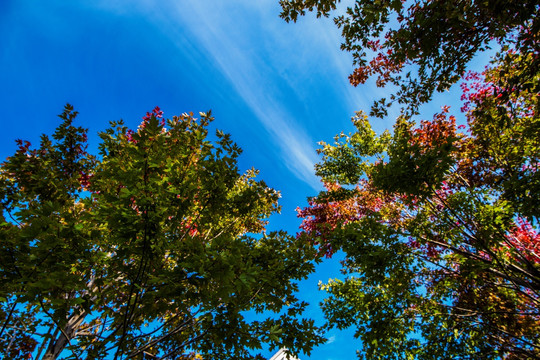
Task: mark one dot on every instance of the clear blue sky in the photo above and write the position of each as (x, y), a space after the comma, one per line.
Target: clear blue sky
(278, 88)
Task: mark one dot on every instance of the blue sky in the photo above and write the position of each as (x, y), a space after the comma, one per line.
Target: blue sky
(278, 88)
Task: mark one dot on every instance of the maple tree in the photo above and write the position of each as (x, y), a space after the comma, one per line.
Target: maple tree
(156, 248)
(420, 47)
(439, 225)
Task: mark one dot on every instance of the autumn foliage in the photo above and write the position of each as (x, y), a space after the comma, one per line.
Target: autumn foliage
(156, 247)
(439, 224)
(438, 221)
(418, 48)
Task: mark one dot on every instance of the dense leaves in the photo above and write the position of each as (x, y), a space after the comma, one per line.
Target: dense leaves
(424, 46)
(155, 248)
(439, 224)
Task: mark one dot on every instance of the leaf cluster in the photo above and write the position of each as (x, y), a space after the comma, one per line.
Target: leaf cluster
(421, 47)
(439, 227)
(157, 247)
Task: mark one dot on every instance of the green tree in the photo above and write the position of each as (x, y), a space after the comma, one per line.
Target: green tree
(439, 226)
(424, 46)
(155, 248)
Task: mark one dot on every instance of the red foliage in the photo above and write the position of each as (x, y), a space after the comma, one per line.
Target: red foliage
(156, 113)
(84, 180)
(381, 64)
(526, 240)
(435, 133)
(322, 217)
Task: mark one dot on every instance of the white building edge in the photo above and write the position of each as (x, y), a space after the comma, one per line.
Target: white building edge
(281, 355)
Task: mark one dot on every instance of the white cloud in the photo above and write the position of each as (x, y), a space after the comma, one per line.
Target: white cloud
(218, 29)
(331, 339)
(260, 55)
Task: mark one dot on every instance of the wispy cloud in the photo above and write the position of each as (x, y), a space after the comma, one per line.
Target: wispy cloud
(331, 339)
(231, 48)
(264, 59)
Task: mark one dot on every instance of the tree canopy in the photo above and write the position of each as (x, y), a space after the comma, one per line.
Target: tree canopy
(422, 46)
(439, 224)
(156, 248)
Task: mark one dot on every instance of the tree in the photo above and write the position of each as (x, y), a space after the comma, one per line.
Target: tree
(439, 226)
(424, 46)
(156, 248)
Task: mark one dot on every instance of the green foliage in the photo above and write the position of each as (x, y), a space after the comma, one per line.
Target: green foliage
(340, 160)
(422, 47)
(157, 246)
(440, 231)
(439, 227)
